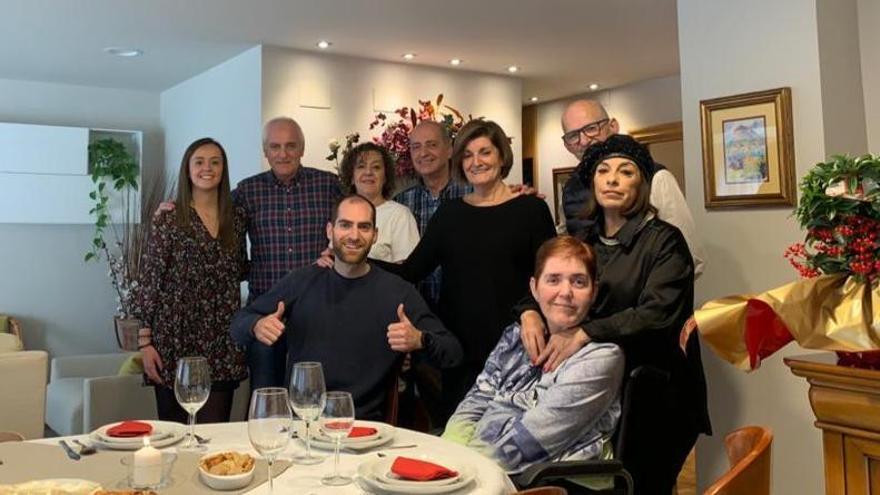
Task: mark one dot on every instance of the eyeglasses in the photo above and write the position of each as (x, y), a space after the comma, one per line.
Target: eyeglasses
(590, 130)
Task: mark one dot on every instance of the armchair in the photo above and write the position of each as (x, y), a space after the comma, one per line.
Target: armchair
(23, 392)
(85, 392)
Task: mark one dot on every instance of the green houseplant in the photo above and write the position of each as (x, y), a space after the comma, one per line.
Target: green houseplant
(121, 238)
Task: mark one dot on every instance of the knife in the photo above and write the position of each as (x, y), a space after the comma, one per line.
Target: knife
(70, 452)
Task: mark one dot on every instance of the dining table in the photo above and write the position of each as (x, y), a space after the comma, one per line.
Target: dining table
(489, 477)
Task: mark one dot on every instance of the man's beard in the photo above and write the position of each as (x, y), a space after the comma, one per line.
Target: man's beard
(349, 257)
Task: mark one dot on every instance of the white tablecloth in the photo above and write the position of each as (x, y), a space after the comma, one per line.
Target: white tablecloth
(306, 480)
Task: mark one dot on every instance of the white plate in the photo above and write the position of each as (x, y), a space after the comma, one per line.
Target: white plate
(57, 485)
(385, 435)
(367, 472)
(381, 471)
(165, 433)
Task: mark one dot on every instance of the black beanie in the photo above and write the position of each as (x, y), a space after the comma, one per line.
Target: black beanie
(618, 145)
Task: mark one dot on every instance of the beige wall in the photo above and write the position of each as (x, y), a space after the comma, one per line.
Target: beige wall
(869, 48)
(332, 96)
(780, 47)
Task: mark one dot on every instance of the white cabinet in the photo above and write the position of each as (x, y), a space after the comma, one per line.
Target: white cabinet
(44, 176)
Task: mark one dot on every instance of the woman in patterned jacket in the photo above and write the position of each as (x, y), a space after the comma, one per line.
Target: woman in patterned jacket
(190, 286)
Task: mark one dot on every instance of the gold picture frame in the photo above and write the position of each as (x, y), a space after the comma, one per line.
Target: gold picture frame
(748, 150)
(560, 177)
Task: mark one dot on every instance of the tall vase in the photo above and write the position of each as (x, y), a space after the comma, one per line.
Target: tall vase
(127, 332)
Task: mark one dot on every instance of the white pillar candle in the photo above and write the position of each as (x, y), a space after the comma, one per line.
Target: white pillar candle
(147, 470)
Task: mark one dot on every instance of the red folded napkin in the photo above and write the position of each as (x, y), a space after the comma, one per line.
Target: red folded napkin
(414, 469)
(362, 431)
(130, 429)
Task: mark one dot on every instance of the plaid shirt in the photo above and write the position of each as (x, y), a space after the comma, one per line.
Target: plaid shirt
(286, 223)
(423, 205)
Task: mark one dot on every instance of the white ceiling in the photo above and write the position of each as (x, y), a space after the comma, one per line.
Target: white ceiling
(561, 45)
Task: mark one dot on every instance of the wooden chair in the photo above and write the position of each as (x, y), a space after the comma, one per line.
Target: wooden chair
(544, 490)
(748, 450)
(11, 436)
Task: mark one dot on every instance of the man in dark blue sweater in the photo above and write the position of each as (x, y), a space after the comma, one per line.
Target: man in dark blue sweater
(357, 319)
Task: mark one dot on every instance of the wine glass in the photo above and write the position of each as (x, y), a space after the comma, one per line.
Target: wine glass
(337, 422)
(307, 396)
(269, 424)
(192, 385)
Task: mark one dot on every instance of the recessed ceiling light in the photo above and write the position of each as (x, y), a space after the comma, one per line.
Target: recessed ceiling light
(122, 51)
(455, 61)
(594, 87)
(512, 69)
(409, 56)
(534, 98)
(323, 44)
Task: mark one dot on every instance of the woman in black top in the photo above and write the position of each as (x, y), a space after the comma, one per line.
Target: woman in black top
(485, 244)
(644, 297)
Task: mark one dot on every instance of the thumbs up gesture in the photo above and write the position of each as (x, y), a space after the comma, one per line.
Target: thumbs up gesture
(403, 336)
(269, 328)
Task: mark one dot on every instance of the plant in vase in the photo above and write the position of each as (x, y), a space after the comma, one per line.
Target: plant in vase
(121, 240)
(836, 305)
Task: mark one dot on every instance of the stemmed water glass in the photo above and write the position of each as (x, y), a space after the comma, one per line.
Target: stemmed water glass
(337, 422)
(307, 397)
(192, 386)
(269, 424)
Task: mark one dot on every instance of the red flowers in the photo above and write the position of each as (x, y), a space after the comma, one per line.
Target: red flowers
(850, 246)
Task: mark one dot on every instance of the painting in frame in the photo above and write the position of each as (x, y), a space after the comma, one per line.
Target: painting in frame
(748, 150)
(560, 177)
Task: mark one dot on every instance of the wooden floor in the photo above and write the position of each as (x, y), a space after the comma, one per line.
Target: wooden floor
(687, 478)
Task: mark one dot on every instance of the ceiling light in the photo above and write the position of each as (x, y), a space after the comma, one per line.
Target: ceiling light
(409, 56)
(323, 44)
(594, 87)
(455, 61)
(121, 51)
(534, 98)
(512, 69)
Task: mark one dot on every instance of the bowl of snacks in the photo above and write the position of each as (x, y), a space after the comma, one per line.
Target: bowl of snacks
(226, 470)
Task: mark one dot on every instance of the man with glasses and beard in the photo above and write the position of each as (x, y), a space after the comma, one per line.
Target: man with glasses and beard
(585, 123)
(356, 319)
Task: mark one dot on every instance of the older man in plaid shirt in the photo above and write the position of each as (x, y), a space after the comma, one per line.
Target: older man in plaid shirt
(288, 208)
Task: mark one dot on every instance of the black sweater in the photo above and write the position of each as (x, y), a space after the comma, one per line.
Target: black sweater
(342, 323)
(487, 255)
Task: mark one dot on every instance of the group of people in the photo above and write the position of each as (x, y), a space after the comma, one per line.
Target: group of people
(533, 334)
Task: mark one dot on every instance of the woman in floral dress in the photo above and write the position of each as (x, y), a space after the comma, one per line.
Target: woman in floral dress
(190, 286)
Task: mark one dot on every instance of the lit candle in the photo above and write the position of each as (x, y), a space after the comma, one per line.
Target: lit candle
(147, 466)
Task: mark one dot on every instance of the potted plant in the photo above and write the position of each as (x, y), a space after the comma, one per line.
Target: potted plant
(120, 239)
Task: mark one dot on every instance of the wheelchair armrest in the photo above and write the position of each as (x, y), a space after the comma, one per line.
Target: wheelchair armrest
(564, 469)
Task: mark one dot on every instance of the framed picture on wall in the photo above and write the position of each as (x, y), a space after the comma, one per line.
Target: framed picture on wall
(748, 150)
(560, 177)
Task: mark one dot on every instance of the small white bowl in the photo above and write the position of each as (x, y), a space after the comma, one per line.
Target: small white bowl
(225, 482)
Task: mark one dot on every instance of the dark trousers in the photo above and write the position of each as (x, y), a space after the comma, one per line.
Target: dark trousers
(216, 410)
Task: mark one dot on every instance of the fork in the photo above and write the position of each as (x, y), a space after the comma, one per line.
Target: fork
(202, 440)
(85, 449)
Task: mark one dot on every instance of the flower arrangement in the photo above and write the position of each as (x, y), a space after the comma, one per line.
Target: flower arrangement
(394, 134)
(840, 210)
(831, 307)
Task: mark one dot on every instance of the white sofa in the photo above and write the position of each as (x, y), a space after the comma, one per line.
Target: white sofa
(86, 392)
(22, 388)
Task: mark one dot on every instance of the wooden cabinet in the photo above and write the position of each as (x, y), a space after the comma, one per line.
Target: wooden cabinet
(846, 402)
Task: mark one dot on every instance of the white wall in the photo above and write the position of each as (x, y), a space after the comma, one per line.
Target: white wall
(778, 48)
(65, 304)
(346, 87)
(223, 103)
(869, 47)
(635, 106)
